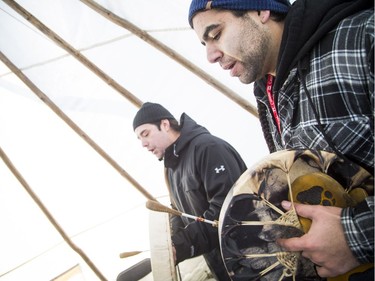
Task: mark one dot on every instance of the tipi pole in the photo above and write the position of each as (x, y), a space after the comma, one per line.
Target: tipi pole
(74, 52)
(52, 220)
(173, 55)
(73, 125)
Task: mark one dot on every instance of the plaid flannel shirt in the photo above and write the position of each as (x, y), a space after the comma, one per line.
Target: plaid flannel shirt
(340, 80)
(359, 230)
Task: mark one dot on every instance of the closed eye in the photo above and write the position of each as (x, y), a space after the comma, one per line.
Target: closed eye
(212, 37)
(143, 134)
(211, 33)
(215, 36)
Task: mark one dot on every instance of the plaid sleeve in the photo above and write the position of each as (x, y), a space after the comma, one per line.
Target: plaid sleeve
(358, 223)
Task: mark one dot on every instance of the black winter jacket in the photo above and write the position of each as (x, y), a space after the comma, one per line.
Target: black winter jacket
(201, 169)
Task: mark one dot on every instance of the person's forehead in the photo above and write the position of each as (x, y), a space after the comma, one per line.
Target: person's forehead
(205, 16)
(144, 127)
(204, 20)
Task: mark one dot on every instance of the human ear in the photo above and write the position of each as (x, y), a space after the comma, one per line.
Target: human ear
(165, 124)
(264, 16)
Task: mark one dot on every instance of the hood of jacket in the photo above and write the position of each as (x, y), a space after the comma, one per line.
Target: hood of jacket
(189, 130)
(306, 23)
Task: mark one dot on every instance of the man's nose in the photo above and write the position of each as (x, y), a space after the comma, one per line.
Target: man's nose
(144, 143)
(213, 53)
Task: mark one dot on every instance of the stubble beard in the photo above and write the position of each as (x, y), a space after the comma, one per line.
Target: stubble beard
(254, 55)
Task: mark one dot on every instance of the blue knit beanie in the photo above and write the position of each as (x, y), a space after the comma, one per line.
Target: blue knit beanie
(280, 6)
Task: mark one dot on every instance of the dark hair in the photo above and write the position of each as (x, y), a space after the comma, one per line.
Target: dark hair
(276, 16)
(173, 123)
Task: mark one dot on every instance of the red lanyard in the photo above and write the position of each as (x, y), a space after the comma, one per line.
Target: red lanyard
(272, 102)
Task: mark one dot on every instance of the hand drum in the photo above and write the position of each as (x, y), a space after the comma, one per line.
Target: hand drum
(252, 218)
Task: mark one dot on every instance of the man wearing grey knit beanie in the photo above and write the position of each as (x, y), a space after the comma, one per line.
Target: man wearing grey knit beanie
(312, 65)
(200, 170)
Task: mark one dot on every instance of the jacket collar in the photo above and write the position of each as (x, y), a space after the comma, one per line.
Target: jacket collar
(189, 130)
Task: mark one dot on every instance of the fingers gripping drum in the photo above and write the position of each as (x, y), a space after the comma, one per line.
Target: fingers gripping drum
(252, 218)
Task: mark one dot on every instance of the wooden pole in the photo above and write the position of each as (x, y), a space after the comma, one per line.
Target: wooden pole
(50, 217)
(74, 52)
(72, 125)
(174, 55)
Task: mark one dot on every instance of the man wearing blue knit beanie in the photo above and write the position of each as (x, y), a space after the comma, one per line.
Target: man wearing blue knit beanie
(312, 65)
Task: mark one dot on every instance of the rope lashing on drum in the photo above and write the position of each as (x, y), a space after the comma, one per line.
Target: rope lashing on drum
(289, 218)
(156, 206)
(252, 218)
(288, 260)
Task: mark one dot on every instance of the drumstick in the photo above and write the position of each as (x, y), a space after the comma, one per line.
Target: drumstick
(156, 206)
(130, 254)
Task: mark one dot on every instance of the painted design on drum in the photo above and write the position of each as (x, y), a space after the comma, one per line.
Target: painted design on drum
(252, 217)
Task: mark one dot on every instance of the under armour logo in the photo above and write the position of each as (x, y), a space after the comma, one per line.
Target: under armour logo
(220, 169)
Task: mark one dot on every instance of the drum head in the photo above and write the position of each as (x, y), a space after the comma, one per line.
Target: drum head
(252, 218)
(162, 262)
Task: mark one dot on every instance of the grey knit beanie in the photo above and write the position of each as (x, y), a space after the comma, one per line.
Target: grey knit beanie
(151, 113)
(280, 6)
